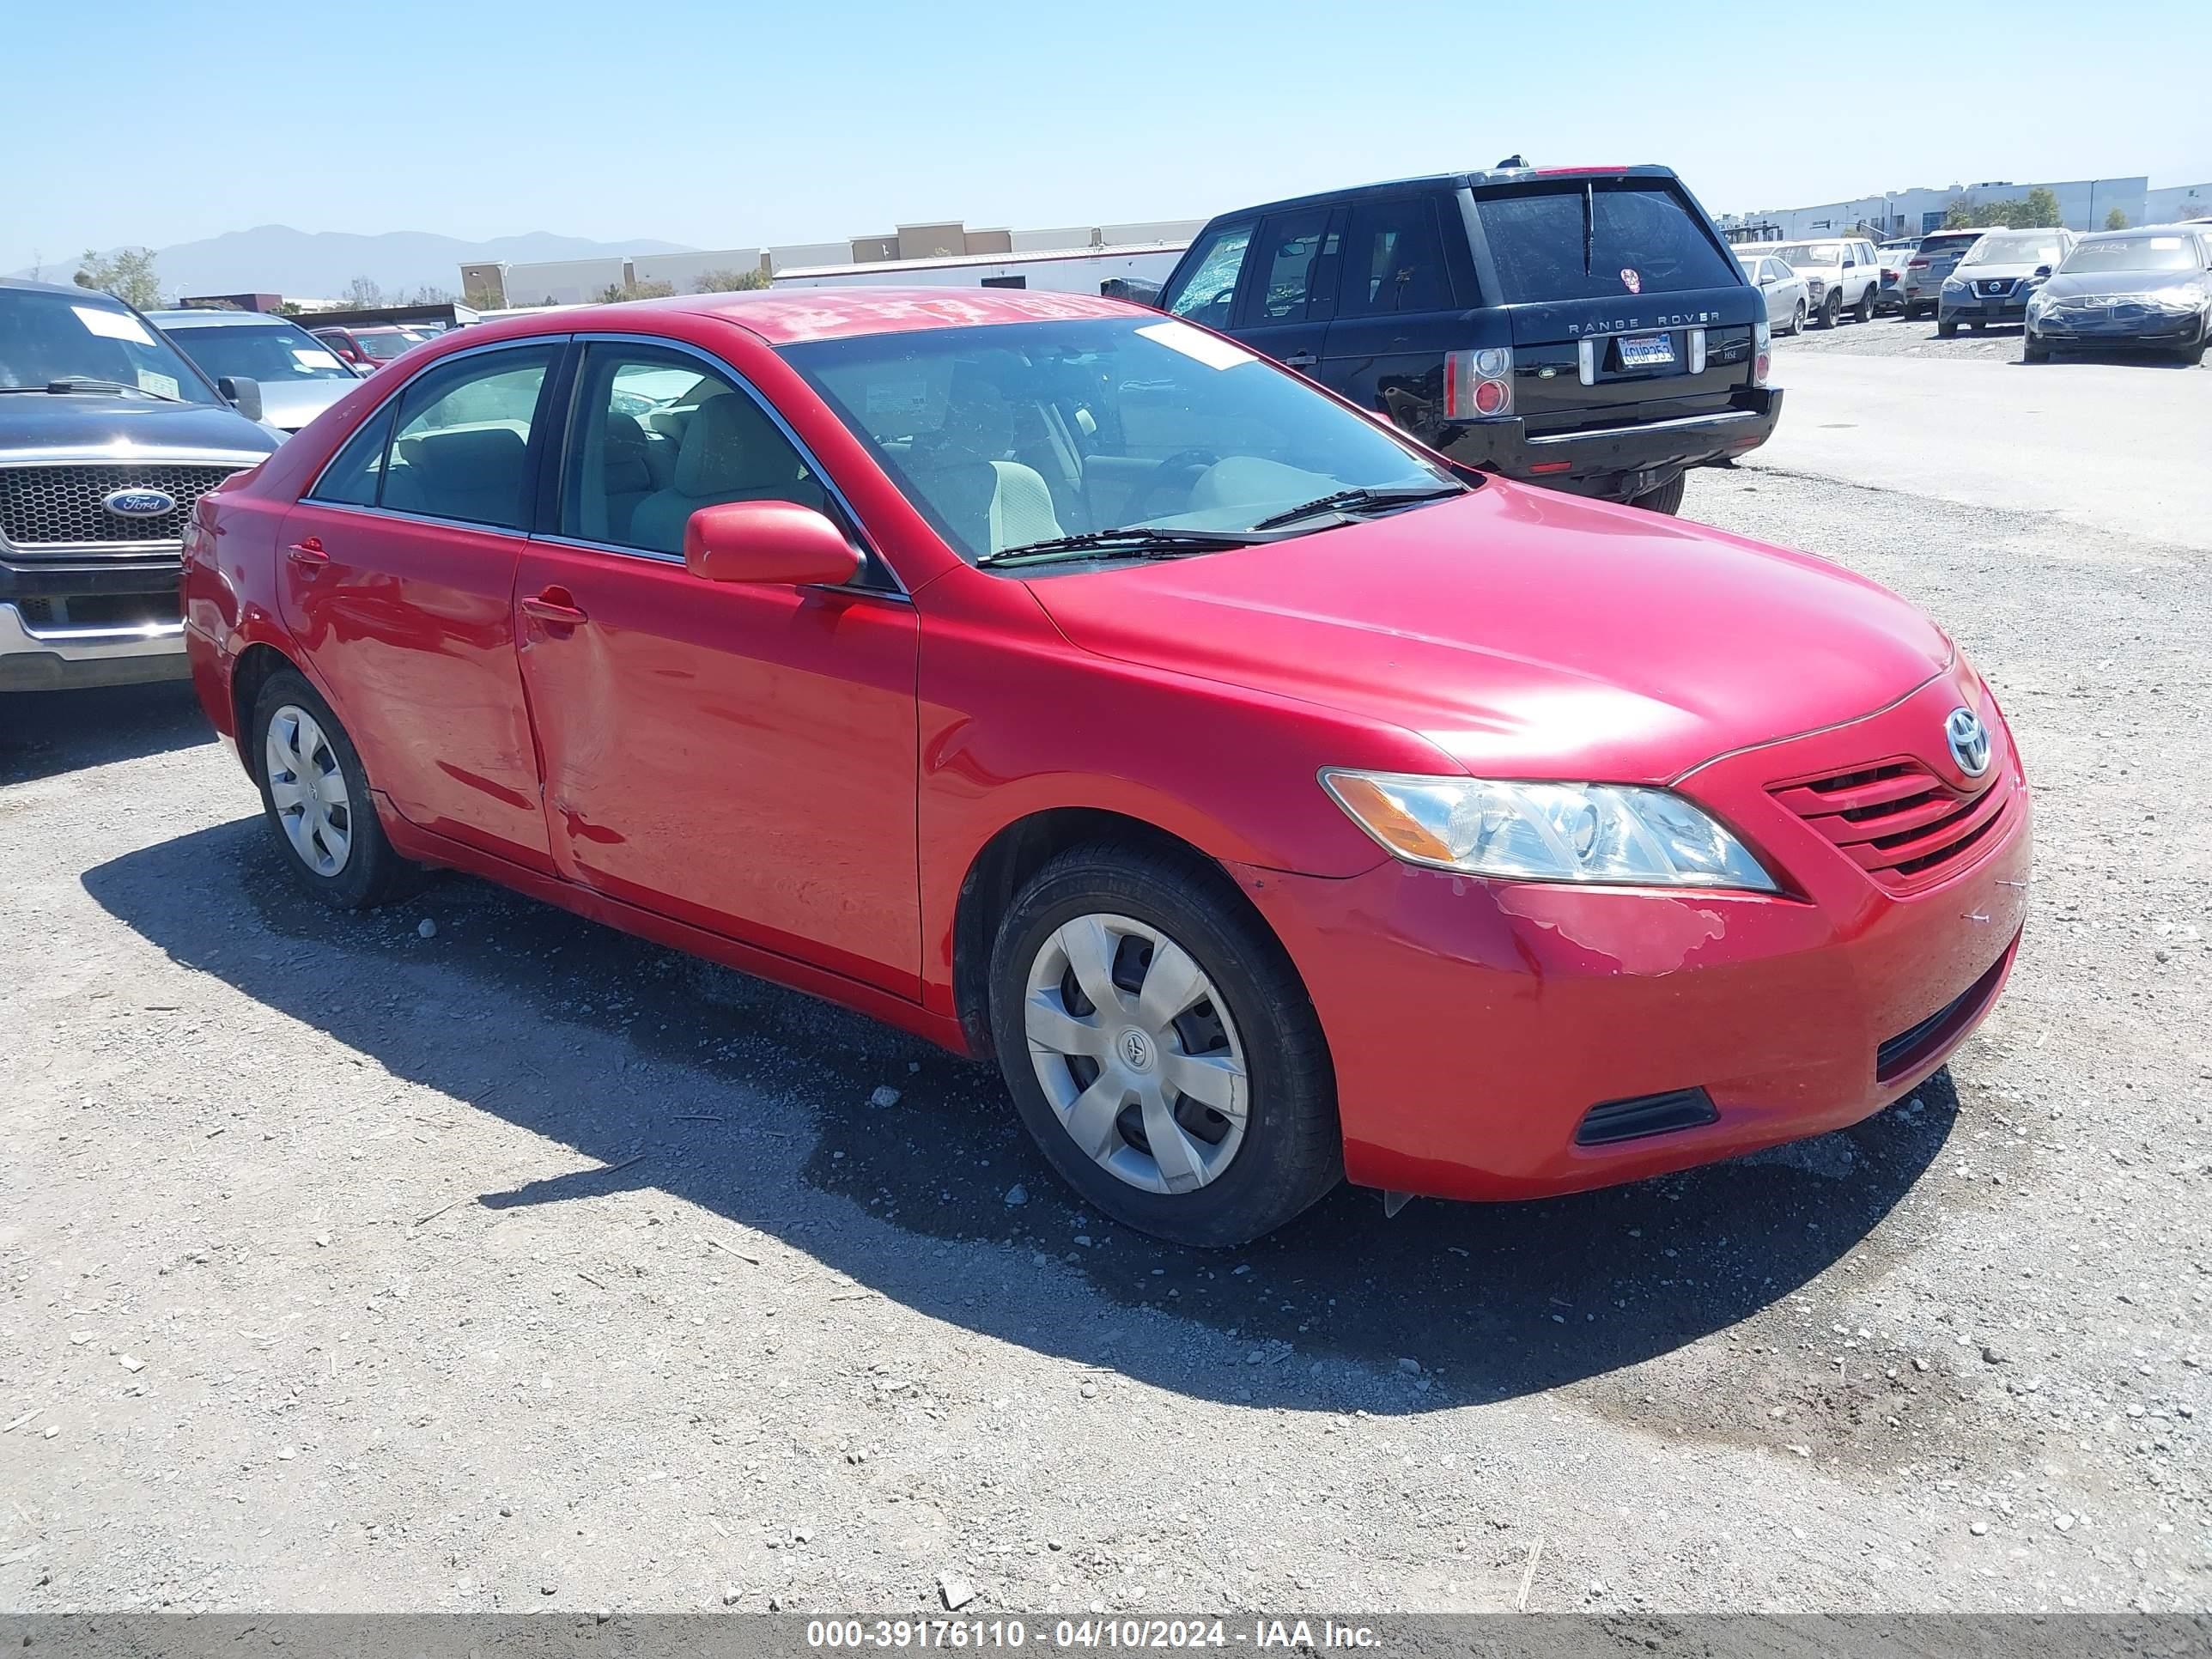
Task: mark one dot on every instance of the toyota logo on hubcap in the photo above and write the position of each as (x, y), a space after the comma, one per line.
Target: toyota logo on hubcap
(1970, 741)
(1137, 1050)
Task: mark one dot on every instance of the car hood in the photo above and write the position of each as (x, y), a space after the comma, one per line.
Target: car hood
(1524, 632)
(292, 404)
(78, 425)
(2011, 270)
(2119, 284)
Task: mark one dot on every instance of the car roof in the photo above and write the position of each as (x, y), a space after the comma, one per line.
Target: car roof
(791, 316)
(2186, 227)
(198, 316)
(1473, 179)
(94, 294)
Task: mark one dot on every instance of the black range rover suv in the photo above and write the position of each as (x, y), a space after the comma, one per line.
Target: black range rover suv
(1585, 328)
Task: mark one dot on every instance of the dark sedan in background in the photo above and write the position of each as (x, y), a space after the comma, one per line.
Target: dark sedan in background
(2150, 288)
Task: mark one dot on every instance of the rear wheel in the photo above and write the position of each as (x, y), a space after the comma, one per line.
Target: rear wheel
(1668, 498)
(1160, 1048)
(1798, 318)
(316, 795)
(1864, 310)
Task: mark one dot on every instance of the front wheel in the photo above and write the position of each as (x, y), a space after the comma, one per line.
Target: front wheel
(1161, 1048)
(1832, 309)
(1945, 330)
(1668, 498)
(2033, 350)
(314, 791)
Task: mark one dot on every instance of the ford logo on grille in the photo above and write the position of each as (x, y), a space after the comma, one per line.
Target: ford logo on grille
(139, 503)
(1970, 741)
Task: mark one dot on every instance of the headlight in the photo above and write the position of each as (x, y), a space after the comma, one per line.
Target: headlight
(1953, 285)
(2182, 296)
(1814, 288)
(1617, 833)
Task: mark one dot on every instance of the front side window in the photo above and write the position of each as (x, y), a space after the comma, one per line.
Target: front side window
(1395, 259)
(660, 435)
(1212, 290)
(277, 355)
(460, 448)
(1007, 436)
(52, 340)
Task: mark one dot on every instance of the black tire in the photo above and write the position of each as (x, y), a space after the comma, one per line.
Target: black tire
(1978, 327)
(1832, 309)
(2194, 355)
(1864, 310)
(2033, 350)
(1798, 318)
(1292, 1150)
(1946, 330)
(1668, 498)
(372, 872)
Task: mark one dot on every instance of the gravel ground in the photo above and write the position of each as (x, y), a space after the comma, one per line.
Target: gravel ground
(1891, 335)
(525, 1264)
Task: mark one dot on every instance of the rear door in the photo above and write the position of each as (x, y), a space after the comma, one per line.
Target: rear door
(1398, 298)
(1288, 291)
(1624, 305)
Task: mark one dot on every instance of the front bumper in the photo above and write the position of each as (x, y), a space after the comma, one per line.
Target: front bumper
(71, 624)
(1619, 461)
(2000, 309)
(2114, 326)
(1475, 1025)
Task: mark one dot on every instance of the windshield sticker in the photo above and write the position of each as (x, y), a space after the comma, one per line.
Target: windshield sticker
(161, 386)
(2165, 243)
(1197, 344)
(313, 358)
(1631, 281)
(112, 325)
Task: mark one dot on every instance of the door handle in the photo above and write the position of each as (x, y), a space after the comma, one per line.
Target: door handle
(308, 553)
(1300, 360)
(554, 605)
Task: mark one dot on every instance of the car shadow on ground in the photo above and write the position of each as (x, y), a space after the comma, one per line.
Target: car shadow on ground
(46, 733)
(1489, 1301)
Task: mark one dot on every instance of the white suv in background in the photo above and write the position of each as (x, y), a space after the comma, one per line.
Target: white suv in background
(1841, 273)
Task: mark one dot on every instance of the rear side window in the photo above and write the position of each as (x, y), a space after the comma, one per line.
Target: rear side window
(462, 445)
(1601, 240)
(1211, 289)
(1393, 259)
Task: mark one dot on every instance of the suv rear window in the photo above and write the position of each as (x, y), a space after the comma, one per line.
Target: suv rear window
(1599, 240)
(1950, 243)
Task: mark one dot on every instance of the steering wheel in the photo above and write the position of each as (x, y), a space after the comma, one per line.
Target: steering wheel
(1141, 493)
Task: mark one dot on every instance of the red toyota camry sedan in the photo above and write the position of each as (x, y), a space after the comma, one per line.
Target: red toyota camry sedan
(1066, 685)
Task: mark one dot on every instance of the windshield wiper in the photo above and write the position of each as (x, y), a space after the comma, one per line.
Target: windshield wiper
(85, 383)
(1388, 496)
(1133, 541)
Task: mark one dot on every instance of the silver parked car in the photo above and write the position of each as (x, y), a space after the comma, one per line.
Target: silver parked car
(299, 375)
(1789, 303)
(1992, 280)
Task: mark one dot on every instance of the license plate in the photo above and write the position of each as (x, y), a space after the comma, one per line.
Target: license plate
(1647, 350)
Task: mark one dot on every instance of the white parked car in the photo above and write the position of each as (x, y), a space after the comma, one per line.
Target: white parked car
(1788, 300)
(1841, 273)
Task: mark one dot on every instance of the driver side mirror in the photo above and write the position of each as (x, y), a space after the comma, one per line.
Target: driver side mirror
(242, 393)
(778, 543)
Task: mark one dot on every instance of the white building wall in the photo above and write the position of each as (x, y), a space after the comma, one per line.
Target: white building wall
(1081, 274)
(682, 271)
(561, 282)
(2164, 207)
(2082, 204)
(808, 253)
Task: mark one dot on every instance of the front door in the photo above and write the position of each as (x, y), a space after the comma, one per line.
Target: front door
(737, 758)
(1289, 289)
(397, 578)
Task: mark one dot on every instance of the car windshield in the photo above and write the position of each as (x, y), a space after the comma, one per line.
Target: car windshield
(2133, 254)
(48, 337)
(385, 343)
(2031, 248)
(1026, 432)
(1809, 256)
(275, 354)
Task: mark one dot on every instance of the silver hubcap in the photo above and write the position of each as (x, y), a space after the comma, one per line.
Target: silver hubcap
(309, 790)
(1136, 1053)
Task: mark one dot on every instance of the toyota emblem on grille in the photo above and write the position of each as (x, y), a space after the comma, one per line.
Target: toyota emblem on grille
(1970, 741)
(139, 503)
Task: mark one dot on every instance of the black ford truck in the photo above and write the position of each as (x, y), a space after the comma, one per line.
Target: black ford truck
(1583, 328)
(108, 435)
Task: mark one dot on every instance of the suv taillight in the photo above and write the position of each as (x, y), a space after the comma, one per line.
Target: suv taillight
(1916, 265)
(1479, 385)
(1762, 339)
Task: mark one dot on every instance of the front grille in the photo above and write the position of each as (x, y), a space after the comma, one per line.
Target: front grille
(1646, 1114)
(60, 506)
(1993, 285)
(1913, 1044)
(46, 613)
(1898, 821)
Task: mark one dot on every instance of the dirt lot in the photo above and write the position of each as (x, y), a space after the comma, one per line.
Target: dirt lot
(524, 1264)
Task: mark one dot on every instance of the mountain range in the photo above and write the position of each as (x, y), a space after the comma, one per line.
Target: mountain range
(321, 264)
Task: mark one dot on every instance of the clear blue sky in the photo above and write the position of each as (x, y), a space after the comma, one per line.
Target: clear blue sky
(737, 124)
